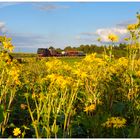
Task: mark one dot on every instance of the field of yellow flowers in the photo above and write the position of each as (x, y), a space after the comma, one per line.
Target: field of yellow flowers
(93, 98)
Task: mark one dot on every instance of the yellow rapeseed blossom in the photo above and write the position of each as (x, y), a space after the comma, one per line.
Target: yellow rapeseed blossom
(113, 37)
(90, 108)
(16, 131)
(115, 122)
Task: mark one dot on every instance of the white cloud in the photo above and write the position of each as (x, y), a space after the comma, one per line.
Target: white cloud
(78, 37)
(6, 4)
(28, 40)
(91, 37)
(52, 7)
(87, 34)
(104, 32)
(85, 38)
(3, 28)
(126, 22)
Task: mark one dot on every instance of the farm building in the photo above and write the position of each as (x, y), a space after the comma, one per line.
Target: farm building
(43, 52)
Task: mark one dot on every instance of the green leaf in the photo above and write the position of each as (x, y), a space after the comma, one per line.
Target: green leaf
(118, 108)
(1, 113)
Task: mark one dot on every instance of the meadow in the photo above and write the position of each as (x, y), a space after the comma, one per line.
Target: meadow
(88, 97)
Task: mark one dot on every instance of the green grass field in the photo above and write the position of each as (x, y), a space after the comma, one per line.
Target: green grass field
(25, 56)
(71, 60)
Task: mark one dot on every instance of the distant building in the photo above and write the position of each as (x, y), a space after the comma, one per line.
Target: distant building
(64, 53)
(75, 53)
(43, 52)
(53, 52)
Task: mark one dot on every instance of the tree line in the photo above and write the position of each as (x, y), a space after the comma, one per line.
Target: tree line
(118, 50)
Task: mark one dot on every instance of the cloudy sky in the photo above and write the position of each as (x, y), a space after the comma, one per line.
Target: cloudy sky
(59, 24)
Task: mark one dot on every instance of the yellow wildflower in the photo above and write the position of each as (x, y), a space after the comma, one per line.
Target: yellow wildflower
(23, 106)
(122, 62)
(90, 58)
(33, 96)
(9, 61)
(115, 122)
(138, 73)
(90, 108)
(132, 26)
(83, 75)
(14, 72)
(8, 45)
(59, 80)
(16, 131)
(113, 37)
(41, 96)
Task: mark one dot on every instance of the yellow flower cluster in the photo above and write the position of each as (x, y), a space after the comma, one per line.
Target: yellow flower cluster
(8, 45)
(113, 37)
(115, 122)
(80, 73)
(132, 26)
(16, 131)
(57, 66)
(138, 73)
(53, 64)
(14, 72)
(121, 64)
(90, 108)
(59, 80)
(90, 58)
(4, 56)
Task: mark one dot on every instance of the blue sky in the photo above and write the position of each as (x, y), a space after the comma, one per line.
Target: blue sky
(59, 24)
